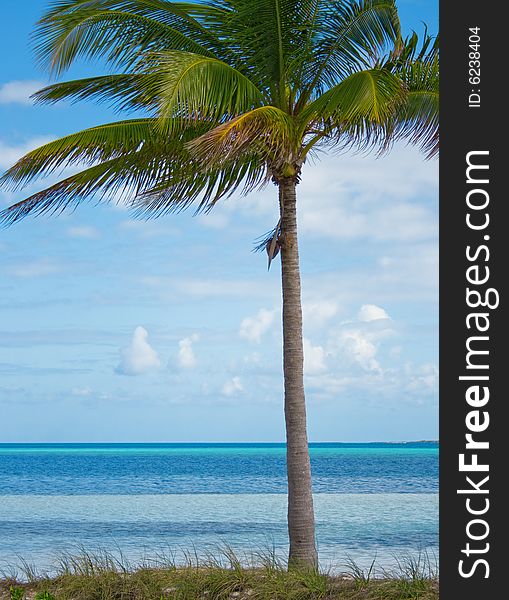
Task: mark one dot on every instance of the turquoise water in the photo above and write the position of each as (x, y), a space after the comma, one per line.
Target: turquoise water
(143, 499)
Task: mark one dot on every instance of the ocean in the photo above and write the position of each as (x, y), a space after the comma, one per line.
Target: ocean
(146, 500)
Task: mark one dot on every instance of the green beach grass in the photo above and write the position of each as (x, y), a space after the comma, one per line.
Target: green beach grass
(106, 577)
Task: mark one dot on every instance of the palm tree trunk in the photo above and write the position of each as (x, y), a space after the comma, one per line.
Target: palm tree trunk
(301, 520)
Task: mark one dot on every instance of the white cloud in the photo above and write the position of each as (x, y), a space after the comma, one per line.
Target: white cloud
(186, 356)
(253, 328)
(10, 153)
(316, 314)
(407, 274)
(36, 268)
(139, 357)
(144, 229)
(361, 349)
(400, 221)
(211, 288)
(395, 351)
(356, 343)
(371, 312)
(413, 272)
(314, 358)
(214, 220)
(254, 358)
(84, 392)
(83, 232)
(356, 359)
(369, 198)
(19, 92)
(232, 387)
(423, 377)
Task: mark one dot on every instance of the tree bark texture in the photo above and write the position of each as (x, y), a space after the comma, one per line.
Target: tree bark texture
(301, 521)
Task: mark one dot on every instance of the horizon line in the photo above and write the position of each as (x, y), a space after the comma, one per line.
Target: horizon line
(421, 441)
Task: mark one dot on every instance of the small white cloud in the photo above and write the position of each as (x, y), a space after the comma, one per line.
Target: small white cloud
(210, 288)
(371, 312)
(253, 359)
(232, 387)
(316, 314)
(19, 92)
(83, 232)
(36, 268)
(214, 220)
(85, 391)
(144, 229)
(139, 357)
(186, 356)
(423, 377)
(314, 358)
(252, 328)
(361, 349)
(395, 351)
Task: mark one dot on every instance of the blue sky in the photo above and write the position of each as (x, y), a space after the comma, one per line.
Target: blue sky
(113, 329)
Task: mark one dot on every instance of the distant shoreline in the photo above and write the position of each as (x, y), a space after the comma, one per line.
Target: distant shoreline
(155, 445)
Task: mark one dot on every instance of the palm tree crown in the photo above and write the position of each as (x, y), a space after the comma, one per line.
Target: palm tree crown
(233, 93)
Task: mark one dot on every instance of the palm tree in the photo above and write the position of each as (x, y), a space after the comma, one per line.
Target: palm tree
(233, 94)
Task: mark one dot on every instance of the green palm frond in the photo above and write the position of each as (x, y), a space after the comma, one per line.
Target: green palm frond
(350, 34)
(420, 123)
(194, 86)
(115, 175)
(123, 91)
(275, 38)
(370, 95)
(150, 183)
(89, 146)
(417, 50)
(268, 131)
(118, 30)
(417, 119)
(205, 187)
